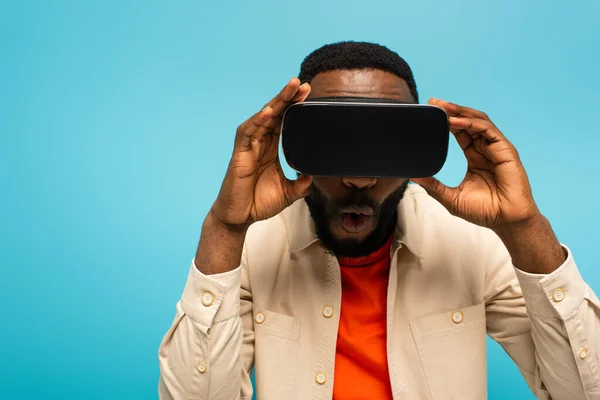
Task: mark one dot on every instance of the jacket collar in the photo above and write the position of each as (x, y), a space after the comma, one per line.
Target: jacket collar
(301, 228)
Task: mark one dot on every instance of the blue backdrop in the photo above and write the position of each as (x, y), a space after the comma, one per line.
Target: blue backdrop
(117, 120)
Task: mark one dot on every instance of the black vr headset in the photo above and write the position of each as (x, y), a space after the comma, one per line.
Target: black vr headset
(364, 137)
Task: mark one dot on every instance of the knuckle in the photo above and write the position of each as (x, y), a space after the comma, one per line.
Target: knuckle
(516, 152)
(240, 129)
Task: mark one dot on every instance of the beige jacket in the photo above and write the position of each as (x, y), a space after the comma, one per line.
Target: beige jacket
(451, 282)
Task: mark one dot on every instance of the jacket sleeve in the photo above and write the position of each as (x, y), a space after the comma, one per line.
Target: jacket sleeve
(549, 325)
(208, 352)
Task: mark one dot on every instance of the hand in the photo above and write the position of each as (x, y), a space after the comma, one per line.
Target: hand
(495, 192)
(255, 187)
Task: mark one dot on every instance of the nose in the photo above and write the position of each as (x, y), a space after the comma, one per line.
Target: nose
(359, 183)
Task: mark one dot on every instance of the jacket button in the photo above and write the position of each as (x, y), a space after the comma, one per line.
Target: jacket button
(320, 378)
(558, 295)
(583, 353)
(457, 317)
(207, 298)
(201, 367)
(327, 312)
(259, 318)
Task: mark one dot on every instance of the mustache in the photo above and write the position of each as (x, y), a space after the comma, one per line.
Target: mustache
(356, 198)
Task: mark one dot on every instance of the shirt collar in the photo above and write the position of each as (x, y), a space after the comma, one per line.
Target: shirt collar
(301, 228)
(410, 222)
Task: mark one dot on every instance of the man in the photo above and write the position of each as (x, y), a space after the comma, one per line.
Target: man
(374, 288)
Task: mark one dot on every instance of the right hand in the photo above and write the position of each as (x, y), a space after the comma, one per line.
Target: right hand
(255, 187)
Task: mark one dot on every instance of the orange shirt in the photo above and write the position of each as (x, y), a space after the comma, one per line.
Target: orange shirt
(361, 370)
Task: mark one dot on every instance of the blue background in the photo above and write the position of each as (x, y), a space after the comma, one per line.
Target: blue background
(117, 120)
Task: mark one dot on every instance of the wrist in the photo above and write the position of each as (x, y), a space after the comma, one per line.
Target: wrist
(532, 244)
(214, 222)
(220, 247)
(526, 227)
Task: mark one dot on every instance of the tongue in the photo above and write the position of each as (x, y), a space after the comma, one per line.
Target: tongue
(354, 220)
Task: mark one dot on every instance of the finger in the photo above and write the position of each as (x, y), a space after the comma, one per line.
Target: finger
(275, 122)
(301, 95)
(279, 105)
(443, 194)
(487, 142)
(475, 126)
(463, 139)
(250, 126)
(303, 92)
(273, 107)
(265, 120)
(283, 100)
(455, 110)
(296, 189)
(472, 149)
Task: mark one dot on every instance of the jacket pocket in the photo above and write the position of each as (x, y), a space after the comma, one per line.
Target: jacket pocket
(276, 338)
(452, 350)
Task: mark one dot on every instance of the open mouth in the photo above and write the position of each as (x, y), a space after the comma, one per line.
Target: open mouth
(356, 219)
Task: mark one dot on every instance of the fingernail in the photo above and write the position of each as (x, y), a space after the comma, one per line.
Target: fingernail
(265, 109)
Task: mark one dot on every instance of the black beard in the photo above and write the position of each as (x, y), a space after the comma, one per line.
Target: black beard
(323, 210)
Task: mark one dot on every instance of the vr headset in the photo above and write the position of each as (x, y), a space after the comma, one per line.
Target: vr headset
(364, 137)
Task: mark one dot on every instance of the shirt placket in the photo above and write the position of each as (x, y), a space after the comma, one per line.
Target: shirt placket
(396, 381)
(327, 328)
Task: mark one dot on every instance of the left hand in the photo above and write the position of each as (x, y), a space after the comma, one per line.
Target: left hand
(495, 192)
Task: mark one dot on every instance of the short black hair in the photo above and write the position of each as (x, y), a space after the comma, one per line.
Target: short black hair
(357, 55)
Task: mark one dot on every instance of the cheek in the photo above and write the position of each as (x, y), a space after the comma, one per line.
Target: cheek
(328, 186)
(387, 186)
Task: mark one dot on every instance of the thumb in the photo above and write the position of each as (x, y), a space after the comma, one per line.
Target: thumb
(298, 188)
(436, 189)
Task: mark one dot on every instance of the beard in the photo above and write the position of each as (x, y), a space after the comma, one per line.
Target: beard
(323, 211)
